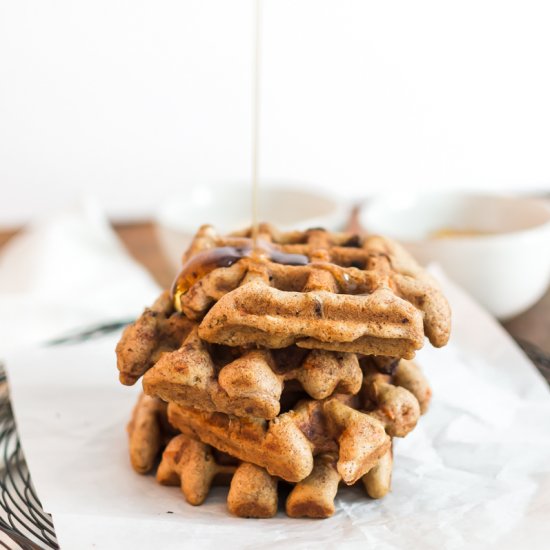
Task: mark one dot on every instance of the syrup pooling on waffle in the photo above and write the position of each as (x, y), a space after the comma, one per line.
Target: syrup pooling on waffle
(355, 295)
(204, 262)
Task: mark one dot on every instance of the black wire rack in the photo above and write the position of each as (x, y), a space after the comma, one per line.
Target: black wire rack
(23, 522)
(538, 356)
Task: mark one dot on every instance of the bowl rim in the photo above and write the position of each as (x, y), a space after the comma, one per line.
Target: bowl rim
(341, 208)
(543, 201)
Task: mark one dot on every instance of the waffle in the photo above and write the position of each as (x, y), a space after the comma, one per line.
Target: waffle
(351, 294)
(247, 382)
(397, 408)
(409, 376)
(296, 435)
(148, 432)
(193, 467)
(356, 428)
(286, 446)
(158, 329)
(289, 360)
(253, 492)
(314, 496)
(196, 466)
(377, 481)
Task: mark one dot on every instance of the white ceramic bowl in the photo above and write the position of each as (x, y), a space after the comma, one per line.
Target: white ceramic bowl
(506, 266)
(229, 208)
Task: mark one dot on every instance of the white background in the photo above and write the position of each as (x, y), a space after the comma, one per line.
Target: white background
(135, 101)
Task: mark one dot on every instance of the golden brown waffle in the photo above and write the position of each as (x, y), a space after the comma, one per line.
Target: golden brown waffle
(364, 295)
(148, 432)
(247, 382)
(158, 329)
(314, 496)
(352, 427)
(377, 481)
(395, 407)
(287, 357)
(192, 465)
(409, 376)
(195, 467)
(286, 446)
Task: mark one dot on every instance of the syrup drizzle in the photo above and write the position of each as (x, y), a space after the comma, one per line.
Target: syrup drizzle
(346, 283)
(205, 262)
(256, 118)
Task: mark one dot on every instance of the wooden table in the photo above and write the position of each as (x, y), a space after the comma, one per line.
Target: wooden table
(140, 240)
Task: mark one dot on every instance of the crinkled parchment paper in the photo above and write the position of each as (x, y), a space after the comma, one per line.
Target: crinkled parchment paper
(474, 474)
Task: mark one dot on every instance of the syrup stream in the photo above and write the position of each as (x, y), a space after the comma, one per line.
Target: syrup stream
(205, 262)
(256, 117)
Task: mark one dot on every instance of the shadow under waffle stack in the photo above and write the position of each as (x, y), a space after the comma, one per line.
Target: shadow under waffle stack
(286, 362)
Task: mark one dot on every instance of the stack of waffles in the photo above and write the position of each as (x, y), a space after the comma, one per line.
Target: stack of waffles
(283, 364)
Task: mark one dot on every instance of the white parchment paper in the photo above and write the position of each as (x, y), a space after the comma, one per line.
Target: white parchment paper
(474, 474)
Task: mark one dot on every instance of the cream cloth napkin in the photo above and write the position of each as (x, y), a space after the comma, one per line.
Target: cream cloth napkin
(65, 272)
